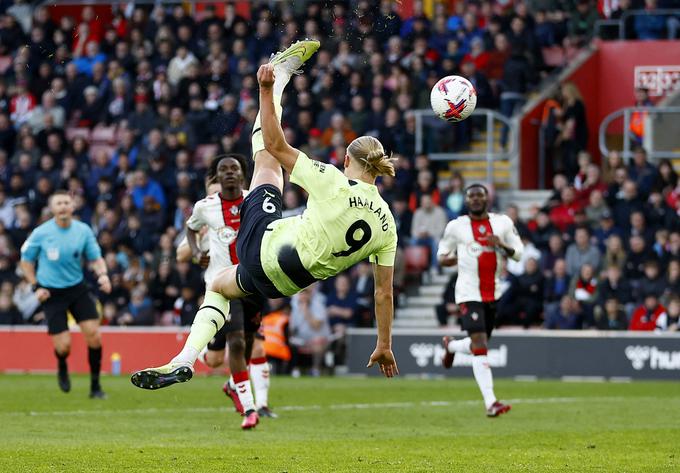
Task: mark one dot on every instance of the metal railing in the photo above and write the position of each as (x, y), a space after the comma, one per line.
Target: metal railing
(490, 155)
(620, 23)
(656, 129)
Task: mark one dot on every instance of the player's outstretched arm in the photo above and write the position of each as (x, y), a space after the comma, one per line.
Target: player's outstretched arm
(272, 133)
(384, 313)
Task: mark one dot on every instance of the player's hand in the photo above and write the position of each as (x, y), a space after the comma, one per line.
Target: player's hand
(42, 294)
(265, 76)
(494, 240)
(202, 259)
(385, 359)
(104, 284)
(448, 260)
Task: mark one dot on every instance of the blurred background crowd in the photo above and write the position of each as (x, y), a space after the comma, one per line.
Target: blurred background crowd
(127, 113)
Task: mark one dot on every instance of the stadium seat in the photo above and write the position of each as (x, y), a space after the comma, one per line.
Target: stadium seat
(417, 259)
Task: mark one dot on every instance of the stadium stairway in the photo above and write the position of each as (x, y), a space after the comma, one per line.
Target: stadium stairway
(418, 309)
(472, 168)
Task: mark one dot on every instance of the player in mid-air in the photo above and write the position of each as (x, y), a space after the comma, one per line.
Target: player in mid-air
(346, 221)
(477, 242)
(219, 212)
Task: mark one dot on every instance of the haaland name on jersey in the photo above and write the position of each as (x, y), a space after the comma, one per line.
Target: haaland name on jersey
(357, 202)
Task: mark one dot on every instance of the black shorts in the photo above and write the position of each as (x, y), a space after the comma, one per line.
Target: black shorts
(478, 317)
(75, 299)
(246, 315)
(261, 207)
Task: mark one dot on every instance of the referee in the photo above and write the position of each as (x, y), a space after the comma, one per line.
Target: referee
(58, 247)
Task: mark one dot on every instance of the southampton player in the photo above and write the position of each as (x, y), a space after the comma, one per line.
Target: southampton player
(477, 243)
(346, 221)
(220, 213)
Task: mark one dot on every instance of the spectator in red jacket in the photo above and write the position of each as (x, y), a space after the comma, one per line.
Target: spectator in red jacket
(646, 315)
(562, 215)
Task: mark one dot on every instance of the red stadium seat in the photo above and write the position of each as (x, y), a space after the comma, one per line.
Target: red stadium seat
(417, 259)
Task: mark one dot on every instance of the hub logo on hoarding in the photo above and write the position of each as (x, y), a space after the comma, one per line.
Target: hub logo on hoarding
(424, 353)
(658, 359)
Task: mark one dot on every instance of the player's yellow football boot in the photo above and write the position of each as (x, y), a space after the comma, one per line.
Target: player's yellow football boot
(290, 60)
(163, 376)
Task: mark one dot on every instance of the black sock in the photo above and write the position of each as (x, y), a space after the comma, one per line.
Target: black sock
(61, 359)
(94, 356)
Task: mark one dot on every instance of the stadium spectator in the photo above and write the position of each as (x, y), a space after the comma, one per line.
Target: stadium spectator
(565, 317)
(429, 221)
(645, 316)
(556, 286)
(584, 289)
(574, 128)
(309, 329)
(582, 252)
(612, 317)
(649, 25)
(615, 286)
(342, 307)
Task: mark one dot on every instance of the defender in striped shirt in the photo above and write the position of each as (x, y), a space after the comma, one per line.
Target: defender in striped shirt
(477, 243)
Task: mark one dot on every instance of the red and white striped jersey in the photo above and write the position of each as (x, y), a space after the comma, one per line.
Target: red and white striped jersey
(223, 219)
(479, 265)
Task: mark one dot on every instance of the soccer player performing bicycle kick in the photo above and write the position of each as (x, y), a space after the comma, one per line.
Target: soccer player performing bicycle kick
(346, 221)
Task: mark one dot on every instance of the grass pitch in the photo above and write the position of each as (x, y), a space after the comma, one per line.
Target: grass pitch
(340, 424)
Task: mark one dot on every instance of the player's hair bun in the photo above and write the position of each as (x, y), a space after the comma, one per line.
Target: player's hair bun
(370, 152)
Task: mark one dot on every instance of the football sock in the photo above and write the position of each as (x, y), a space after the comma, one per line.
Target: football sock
(244, 391)
(482, 371)
(210, 318)
(257, 141)
(259, 372)
(94, 356)
(61, 360)
(460, 346)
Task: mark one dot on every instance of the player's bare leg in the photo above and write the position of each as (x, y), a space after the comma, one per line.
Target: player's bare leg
(483, 376)
(62, 349)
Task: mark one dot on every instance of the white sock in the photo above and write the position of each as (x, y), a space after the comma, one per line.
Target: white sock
(460, 346)
(256, 140)
(211, 316)
(244, 391)
(259, 374)
(482, 371)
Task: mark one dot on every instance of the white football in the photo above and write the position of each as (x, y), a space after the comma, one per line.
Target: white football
(453, 98)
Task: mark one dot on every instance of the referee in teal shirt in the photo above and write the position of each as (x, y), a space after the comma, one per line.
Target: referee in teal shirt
(59, 246)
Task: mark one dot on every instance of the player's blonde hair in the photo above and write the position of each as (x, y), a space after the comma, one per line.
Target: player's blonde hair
(371, 154)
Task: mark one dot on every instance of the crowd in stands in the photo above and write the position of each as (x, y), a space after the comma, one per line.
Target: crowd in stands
(603, 252)
(126, 113)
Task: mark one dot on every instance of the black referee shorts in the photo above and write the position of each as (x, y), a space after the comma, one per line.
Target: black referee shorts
(75, 299)
(478, 317)
(246, 315)
(262, 206)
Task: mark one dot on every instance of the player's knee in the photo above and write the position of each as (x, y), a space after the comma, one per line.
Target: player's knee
(94, 339)
(214, 359)
(478, 342)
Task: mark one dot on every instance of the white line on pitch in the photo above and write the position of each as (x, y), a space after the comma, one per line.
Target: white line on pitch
(316, 407)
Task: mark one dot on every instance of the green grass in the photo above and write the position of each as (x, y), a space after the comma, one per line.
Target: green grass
(340, 424)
